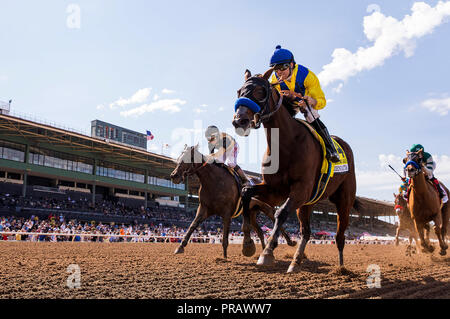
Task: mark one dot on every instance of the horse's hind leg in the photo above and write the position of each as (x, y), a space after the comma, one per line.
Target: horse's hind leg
(343, 206)
(303, 215)
(226, 230)
(438, 230)
(199, 218)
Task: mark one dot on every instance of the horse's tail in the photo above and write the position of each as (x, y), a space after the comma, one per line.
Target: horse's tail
(358, 205)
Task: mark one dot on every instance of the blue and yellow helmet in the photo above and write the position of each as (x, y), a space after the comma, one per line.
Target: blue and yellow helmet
(281, 56)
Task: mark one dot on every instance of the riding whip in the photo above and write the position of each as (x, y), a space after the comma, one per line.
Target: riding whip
(395, 172)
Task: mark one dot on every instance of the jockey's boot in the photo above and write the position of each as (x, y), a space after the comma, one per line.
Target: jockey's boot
(332, 153)
(244, 179)
(442, 194)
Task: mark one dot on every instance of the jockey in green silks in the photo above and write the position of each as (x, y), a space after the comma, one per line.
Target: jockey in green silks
(429, 167)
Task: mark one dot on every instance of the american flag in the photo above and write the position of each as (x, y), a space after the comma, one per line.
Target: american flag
(149, 136)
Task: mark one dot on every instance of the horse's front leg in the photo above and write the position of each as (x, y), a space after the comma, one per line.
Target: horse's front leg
(420, 231)
(396, 235)
(199, 218)
(248, 246)
(295, 200)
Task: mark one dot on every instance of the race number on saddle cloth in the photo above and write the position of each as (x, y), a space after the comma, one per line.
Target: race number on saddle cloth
(328, 168)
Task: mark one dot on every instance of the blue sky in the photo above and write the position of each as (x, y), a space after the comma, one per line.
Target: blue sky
(174, 68)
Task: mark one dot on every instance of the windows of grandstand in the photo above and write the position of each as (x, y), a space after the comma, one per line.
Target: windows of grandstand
(12, 151)
(164, 182)
(120, 172)
(60, 160)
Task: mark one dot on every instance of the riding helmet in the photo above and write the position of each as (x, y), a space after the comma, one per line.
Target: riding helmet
(211, 130)
(281, 56)
(416, 147)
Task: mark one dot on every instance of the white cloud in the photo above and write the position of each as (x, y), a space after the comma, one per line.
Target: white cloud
(389, 36)
(167, 91)
(441, 106)
(199, 110)
(221, 108)
(168, 105)
(100, 107)
(338, 88)
(139, 97)
(155, 97)
(442, 171)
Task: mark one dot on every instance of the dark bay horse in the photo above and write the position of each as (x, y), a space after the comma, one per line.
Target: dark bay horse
(425, 204)
(218, 195)
(300, 159)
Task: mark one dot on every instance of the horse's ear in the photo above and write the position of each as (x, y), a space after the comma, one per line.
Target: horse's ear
(196, 147)
(404, 160)
(185, 146)
(267, 74)
(395, 195)
(247, 74)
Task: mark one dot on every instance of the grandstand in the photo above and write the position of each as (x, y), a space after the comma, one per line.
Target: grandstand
(93, 176)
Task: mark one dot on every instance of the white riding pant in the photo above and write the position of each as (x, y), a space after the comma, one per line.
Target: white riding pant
(230, 157)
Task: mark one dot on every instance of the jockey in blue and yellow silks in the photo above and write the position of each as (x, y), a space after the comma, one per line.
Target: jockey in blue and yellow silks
(299, 83)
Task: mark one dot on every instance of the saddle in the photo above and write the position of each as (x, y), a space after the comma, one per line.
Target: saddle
(239, 206)
(328, 168)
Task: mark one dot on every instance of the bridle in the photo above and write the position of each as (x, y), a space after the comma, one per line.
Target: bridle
(413, 162)
(261, 108)
(192, 169)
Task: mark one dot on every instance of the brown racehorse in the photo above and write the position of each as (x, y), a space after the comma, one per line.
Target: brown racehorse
(218, 195)
(425, 204)
(300, 160)
(405, 222)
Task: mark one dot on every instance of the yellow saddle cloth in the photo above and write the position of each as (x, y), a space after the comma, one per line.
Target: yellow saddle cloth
(328, 168)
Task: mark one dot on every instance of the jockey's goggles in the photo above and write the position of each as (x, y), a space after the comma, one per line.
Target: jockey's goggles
(282, 67)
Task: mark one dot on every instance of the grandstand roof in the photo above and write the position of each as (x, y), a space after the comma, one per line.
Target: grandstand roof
(38, 133)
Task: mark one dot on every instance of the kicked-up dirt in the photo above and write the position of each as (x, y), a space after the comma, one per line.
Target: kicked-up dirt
(151, 270)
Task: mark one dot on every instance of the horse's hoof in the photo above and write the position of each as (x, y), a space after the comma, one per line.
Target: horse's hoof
(179, 250)
(293, 268)
(292, 243)
(443, 252)
(248, 248)
(431, 249)
(266, 259)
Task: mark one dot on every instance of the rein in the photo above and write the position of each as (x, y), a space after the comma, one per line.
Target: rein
(190, 172)
(261, 118)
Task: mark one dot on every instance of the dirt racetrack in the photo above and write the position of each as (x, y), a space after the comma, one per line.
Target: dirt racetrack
(151, 270)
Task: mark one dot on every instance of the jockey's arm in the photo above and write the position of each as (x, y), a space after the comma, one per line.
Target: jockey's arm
(314, 90)
(222, 150)
(429, 166)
